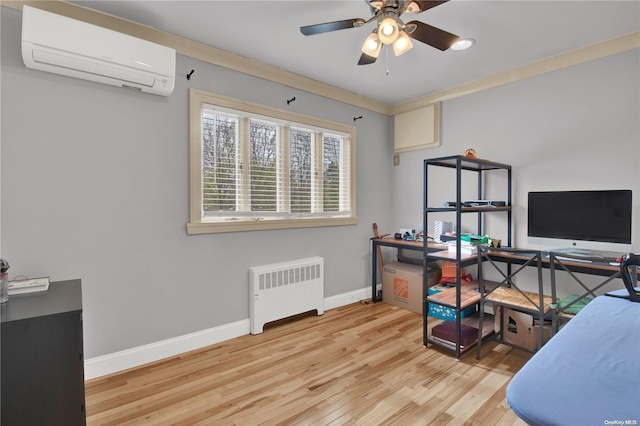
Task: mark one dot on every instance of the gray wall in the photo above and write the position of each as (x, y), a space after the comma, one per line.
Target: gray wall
(94, 185)
(572, 129)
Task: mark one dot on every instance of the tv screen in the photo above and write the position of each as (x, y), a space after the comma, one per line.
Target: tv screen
(603, 216)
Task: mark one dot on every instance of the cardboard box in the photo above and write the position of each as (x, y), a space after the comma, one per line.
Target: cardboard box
(519, 328)
(402, 284)
(443, 312)
(449, 270)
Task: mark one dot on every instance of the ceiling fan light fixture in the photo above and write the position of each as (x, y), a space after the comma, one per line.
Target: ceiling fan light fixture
(372, 45)
(388, 30)
(403, 44)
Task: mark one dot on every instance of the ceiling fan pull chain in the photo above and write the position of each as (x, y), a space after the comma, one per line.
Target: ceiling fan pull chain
(386, 60)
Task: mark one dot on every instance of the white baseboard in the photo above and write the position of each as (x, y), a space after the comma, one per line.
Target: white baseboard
(135, 357)
(347, 298)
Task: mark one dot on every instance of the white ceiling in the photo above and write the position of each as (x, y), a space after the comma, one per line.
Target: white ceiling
(508, 34)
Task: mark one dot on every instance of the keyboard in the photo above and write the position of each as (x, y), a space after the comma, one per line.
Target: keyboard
(571, 259)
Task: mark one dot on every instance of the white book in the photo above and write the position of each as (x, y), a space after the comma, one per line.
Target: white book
(28, 285)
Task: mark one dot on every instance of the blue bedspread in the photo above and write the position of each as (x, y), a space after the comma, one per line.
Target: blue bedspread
(588, 373)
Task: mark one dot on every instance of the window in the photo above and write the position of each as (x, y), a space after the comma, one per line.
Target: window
(255, 167)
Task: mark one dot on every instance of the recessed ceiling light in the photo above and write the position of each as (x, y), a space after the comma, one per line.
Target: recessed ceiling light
(463, 44)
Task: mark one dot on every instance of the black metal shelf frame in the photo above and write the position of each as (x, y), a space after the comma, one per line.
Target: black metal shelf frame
(459, 164)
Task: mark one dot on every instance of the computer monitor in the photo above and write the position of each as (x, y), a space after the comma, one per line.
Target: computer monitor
(588, 220)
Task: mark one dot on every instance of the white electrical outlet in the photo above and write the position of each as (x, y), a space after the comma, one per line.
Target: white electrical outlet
(28, 286)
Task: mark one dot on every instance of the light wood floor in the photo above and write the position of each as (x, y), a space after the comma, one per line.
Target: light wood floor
(361, 364)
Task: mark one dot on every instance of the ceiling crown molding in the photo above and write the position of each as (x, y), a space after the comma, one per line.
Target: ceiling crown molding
(219, 57)
(595, 51)
(203, 52)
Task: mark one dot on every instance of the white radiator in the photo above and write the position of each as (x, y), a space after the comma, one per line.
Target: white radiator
(281, 290)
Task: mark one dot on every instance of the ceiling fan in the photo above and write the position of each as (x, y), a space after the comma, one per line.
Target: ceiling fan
(390, 29)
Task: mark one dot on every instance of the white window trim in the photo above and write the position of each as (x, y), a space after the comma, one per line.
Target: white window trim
(202, 225)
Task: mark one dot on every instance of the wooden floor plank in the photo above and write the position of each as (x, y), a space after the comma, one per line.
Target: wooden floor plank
(360, 364)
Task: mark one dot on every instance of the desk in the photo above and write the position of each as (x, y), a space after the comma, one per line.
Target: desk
(593, 268)
(400, 245)
(438, 252)
(521, 259)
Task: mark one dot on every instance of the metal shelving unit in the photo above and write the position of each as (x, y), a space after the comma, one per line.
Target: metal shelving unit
(463, 297)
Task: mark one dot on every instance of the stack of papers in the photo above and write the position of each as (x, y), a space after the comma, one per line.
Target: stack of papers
(465, 247)
(468, 243)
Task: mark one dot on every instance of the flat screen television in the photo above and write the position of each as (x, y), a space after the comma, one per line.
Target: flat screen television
(599, 220)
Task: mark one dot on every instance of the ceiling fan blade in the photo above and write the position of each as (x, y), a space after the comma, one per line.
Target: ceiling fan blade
(366, 59)
(421, 6)
(331, 26)
(440, 39)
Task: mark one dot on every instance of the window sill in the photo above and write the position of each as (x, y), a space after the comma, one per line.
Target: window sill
(194, 228)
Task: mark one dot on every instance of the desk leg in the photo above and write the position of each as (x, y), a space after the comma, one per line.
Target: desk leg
(374, 272)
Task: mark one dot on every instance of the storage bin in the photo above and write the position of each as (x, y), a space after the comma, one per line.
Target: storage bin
(444, 312)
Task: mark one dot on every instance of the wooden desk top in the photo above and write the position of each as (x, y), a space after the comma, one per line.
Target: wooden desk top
(441, 252)
(414, 245)
(603, 266)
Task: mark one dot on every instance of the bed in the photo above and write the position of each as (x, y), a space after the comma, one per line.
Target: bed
(588, 373)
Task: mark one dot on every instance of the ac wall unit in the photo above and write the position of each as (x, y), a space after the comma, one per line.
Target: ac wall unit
(62, 45)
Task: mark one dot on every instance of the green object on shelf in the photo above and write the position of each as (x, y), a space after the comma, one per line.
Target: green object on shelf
(576, 307)
(474, 239)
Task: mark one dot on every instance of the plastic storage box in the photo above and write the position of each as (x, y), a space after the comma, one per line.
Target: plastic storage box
(443, 312)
